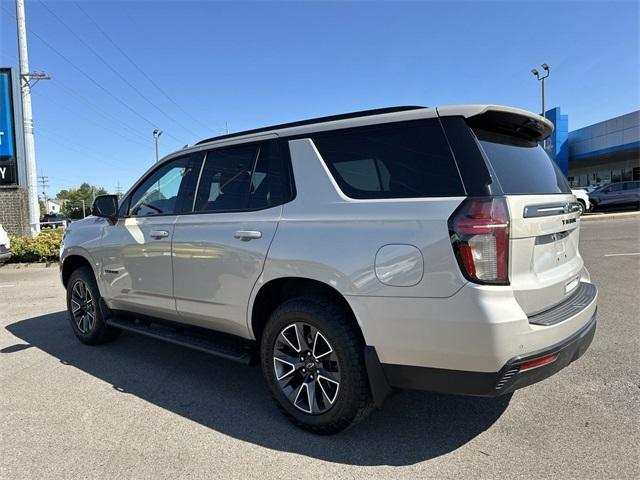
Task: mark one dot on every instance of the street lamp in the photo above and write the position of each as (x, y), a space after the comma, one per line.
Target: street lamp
(541, 78)
(156, 135)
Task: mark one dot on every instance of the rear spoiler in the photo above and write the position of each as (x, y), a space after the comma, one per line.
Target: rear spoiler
(508, 121)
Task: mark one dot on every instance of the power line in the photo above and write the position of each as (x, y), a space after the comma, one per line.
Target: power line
(132, 138)
(113, 120)
(114, 70)
(88, 77)
(69, 144)
(140, 70)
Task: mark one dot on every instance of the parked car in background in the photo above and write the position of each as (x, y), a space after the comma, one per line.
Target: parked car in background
(583, 199)
(616, 195)
(54, 220)
(5, 246)
(408, 247)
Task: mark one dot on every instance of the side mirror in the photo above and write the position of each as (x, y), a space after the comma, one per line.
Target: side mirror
(105, 206)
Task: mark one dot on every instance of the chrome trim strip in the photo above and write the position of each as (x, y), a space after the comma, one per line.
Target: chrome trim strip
(550, 209)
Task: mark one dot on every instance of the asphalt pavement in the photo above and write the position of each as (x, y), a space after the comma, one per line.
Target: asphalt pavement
(139, 408)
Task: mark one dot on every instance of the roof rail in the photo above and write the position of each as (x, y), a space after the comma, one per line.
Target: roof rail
(330, 118)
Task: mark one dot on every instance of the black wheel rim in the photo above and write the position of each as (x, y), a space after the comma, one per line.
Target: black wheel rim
(83, 308)
(306, 367)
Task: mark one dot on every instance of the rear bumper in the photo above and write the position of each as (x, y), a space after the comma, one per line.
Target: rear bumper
(5, 254)
(510, 377)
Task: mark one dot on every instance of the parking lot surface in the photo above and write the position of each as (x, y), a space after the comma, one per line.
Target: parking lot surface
(139, 408)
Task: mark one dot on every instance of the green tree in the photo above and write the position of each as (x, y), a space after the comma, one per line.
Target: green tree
(73, 198)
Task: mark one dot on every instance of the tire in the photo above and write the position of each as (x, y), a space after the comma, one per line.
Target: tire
(335, 407)
(583, 207)
(83, 294)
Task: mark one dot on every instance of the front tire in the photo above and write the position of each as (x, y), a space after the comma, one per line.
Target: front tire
(312, 359)
(582, 207)
(83, 306)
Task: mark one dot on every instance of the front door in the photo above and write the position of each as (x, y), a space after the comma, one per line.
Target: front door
(136, 252)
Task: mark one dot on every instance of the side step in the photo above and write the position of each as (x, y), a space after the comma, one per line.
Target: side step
(219, 344)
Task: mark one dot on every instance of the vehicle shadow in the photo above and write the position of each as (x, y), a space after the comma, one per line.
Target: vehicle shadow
(232, 399)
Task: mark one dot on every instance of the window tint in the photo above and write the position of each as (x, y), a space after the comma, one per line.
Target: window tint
(226, 179)
(169, 189)
(398, 160)
(270, 183)
(617, 187)
(522, 168)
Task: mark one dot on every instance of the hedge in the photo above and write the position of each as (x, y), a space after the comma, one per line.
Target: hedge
(43, 248)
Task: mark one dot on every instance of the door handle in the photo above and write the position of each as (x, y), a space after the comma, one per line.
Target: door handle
(159, 233)
(247, 234)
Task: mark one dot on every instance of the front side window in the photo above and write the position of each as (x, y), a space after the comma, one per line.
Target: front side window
(168, 190)
(395, 160)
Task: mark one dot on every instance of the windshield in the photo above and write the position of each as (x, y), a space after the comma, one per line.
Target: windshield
(522, 167)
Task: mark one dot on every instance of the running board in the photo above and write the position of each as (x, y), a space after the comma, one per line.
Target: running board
(219, 344)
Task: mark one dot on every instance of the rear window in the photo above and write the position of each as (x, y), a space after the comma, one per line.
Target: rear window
(522, 167)
(396, 160)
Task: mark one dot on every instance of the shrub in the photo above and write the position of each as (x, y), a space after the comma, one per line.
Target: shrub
(43, 248)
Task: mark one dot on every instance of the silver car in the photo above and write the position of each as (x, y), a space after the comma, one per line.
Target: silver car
(406, 247)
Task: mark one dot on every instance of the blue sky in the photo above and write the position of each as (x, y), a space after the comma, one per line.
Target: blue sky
(253, 64)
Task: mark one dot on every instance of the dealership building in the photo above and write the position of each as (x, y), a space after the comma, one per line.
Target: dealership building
(605, 152)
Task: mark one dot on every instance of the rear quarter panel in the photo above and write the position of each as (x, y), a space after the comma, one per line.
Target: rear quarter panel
(328, 237)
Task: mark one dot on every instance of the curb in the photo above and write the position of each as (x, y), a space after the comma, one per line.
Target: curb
(592, 217)
(35, 265)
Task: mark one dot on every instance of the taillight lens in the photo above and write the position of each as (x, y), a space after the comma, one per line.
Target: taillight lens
(479, 231)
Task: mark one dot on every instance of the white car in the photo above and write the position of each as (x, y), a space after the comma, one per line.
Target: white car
(409, 247)
(5, 246)
(583, 199)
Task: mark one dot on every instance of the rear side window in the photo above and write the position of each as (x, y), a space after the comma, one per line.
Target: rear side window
(226, 178)
(270, 182)
(245, 177)
(396, 160)
(522, 167)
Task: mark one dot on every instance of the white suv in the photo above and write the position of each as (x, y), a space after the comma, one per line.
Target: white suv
(409, 247)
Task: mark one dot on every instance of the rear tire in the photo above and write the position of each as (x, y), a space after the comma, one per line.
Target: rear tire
(83, 307)
(337, 394)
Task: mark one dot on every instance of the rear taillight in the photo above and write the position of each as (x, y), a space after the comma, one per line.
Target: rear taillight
(479, 231)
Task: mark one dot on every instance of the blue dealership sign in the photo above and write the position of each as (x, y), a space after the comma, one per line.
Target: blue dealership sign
(8, 160)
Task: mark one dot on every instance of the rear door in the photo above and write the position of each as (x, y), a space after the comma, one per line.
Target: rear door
(219, 249)
(545, 263)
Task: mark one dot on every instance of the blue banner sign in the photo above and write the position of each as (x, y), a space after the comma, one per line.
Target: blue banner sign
(8, 174)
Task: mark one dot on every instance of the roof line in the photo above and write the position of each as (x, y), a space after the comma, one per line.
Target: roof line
(330, 118)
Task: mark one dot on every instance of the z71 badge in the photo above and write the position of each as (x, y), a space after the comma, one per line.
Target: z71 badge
(568, 221)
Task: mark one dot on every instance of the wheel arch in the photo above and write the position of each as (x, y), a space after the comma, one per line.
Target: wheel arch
(72, 263)
(273, 293)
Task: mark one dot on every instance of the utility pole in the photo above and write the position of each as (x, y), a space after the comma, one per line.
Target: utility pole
(119, 190)
(25, 88)
(156, 135)
(43, 182)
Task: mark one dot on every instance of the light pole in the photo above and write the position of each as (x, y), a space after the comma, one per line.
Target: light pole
(156, 135)
(541, 78)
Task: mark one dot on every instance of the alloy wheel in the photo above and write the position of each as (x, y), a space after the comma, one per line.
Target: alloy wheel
(83, 308)
(306, 367)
